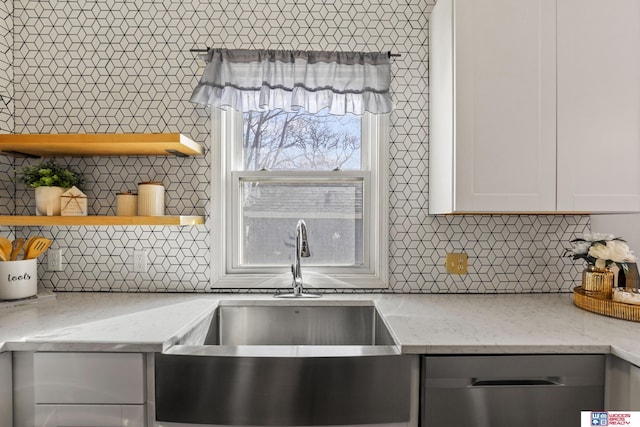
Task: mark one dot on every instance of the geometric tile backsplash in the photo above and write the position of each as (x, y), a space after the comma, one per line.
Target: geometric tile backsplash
(6, 67)
(125, 66)
(6, 107)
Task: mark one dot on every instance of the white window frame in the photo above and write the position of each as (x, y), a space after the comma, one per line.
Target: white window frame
(226, 128)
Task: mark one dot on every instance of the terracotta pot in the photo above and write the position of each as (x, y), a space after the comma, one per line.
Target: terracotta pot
(48, 200)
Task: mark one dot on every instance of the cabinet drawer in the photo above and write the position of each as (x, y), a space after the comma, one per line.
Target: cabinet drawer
(89, 415)
(89, 378)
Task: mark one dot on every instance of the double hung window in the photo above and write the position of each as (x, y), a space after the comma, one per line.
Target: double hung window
(285, 166)
(312, 159)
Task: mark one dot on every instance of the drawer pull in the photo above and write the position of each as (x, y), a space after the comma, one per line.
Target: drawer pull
(551, 381)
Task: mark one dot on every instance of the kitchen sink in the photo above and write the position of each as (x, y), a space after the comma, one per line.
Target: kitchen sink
(269, 324)
(287, 363)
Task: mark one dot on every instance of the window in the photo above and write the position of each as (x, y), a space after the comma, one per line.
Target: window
(277, 167)
(275, 164)
(312, 149)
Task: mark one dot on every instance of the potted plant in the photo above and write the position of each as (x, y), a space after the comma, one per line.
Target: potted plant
(50, 180)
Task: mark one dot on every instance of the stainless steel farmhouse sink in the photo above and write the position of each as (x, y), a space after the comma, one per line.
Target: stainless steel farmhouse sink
(298, 325)
(287, 363)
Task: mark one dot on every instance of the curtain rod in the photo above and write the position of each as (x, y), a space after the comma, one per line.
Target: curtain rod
(391, 55)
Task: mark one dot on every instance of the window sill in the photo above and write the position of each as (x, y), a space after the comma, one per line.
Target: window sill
(312, 281)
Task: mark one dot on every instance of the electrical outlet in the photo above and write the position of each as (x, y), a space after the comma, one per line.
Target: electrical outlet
(54, 260)
(140, 261)
(457, 263)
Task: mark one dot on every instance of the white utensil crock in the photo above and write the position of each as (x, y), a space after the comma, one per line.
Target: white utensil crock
(18, 279)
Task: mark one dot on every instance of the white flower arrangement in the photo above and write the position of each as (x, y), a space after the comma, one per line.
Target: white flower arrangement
(601, 250)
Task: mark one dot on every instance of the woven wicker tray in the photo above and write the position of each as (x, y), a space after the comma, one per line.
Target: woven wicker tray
(606, 307)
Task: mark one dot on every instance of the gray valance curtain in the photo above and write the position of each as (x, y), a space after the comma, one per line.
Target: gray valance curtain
(259, 80)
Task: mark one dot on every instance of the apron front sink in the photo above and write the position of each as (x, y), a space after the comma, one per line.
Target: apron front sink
(287, 363)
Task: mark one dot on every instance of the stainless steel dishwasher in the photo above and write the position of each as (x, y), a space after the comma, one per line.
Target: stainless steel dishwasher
(510, 390)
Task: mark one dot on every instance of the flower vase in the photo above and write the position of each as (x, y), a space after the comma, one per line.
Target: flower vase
(48, 200)
(597, 282)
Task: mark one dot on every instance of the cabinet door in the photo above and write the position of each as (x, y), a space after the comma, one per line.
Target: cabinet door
(75, 378)
(634, 388)
(598, 105)
(89, 416)
(504, 105)
(6, 390)
(622, 392)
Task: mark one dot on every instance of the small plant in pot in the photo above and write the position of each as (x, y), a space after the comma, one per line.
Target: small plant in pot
(50, 180)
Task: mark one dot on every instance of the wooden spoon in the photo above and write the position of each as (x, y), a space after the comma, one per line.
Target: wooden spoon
(16, 246)
(5, 248)
(37, 247)
(26, 246)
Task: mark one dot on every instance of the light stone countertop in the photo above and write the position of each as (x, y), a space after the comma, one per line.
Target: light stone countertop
(423, 324)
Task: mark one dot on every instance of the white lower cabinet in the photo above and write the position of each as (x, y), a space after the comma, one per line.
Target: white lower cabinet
(622, 390)
(6, 390)
(634, 388)
(86, 378)
(71, 389)
(89, 415)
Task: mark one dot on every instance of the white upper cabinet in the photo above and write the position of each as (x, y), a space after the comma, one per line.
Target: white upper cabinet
(492, 106)
(599, 105)
(534, 106)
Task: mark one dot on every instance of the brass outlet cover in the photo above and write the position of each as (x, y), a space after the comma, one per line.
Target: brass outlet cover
(457, 263)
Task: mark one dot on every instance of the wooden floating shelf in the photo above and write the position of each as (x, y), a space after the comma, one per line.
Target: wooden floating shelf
(99, 220)
(114, 144)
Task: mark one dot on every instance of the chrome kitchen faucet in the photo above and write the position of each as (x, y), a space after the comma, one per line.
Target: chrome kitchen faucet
(302, 251)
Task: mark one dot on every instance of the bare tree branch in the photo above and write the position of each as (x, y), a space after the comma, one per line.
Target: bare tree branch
(300, 141)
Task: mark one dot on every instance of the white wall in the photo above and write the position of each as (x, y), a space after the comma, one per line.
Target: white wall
(625, 226)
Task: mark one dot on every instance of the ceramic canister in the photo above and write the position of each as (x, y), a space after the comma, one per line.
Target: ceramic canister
(18, 279)
(150, 199)
(127, 204)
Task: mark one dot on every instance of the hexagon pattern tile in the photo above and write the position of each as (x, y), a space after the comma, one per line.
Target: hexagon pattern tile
(7, 188)
(125, 66)
(6, 67)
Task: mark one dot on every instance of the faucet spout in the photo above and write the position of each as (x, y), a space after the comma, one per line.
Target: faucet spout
(302, 251)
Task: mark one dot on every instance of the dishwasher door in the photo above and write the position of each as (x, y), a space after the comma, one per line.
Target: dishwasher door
(510, 390)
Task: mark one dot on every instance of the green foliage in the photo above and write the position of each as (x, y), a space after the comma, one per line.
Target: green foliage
(48, 174)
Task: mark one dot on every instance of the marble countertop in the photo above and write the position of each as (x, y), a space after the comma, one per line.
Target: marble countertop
(423, 324)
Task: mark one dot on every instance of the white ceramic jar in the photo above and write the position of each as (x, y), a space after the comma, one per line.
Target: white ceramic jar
(150, 199)
(127, 204)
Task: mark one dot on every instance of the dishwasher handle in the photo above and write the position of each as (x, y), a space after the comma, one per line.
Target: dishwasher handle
(516, 382)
